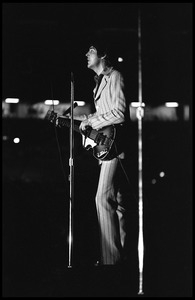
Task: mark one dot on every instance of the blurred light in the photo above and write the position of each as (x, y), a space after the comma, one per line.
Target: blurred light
(162, 174)
(120, 59)
(52, 102)
(5, 137)
(161, 113)
(16, 140)
(153, 181)
(186, 112)
(80, 103)
(139, 112)
(11, 100)
(137, 104)
(171, 104)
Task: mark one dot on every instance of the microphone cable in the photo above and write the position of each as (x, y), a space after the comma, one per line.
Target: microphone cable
(132, 187)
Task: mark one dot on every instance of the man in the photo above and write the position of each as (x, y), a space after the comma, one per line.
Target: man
(111, 109)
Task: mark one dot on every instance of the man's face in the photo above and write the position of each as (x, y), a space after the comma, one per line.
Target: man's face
(92, 58)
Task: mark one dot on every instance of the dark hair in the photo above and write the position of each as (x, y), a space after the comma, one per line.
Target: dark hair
(103, 48)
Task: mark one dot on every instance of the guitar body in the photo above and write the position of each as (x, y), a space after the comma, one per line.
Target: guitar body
(102, 141)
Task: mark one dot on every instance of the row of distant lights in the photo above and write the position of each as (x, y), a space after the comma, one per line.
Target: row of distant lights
(82, 103)
(47, 102)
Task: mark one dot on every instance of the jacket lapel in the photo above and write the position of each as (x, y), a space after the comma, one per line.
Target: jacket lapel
(101, 87)
(103, 83)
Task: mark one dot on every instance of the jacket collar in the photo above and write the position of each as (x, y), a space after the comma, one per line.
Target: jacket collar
(107, 71)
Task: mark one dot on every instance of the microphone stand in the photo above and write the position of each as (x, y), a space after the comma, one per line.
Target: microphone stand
(140, 114)
(71, 178)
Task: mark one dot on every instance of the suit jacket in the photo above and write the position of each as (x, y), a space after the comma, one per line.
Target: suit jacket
(110, 102)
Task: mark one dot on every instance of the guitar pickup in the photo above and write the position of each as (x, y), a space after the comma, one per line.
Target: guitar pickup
(102, 139)
(99, 138)
(106, 141)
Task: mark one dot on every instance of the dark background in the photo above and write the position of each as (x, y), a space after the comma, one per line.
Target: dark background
(42, 44)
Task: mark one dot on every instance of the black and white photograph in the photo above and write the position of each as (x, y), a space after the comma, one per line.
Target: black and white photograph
(97, 149)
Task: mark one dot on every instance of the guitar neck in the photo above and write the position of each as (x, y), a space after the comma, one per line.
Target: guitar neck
(51, 116)
(103, 138)
(67, 123)
(90, 133)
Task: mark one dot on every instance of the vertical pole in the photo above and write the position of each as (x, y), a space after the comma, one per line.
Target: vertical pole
(71, 178)
(140, 173)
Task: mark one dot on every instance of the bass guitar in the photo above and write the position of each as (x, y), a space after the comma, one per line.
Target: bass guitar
(101, 141)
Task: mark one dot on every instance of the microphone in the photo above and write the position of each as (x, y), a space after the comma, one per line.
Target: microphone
(69, 109)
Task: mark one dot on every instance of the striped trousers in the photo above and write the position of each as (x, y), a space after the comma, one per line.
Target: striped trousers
(110, 205)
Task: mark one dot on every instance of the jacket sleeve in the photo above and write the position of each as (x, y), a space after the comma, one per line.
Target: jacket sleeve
(112, 104)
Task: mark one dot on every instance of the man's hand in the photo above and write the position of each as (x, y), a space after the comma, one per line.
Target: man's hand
(84, 124)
